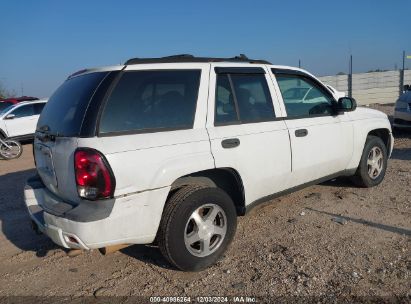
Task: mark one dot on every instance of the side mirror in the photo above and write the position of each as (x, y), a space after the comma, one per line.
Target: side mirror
(346, 104)
(407, 87)
(10, 116)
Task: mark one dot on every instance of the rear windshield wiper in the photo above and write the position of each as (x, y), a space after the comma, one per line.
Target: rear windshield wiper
(45, 135)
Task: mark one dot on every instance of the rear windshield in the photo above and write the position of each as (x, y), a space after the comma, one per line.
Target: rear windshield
(145, 101)
(64, 112)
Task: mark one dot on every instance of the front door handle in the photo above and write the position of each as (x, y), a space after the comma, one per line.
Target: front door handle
(230, 143)
(301, 132)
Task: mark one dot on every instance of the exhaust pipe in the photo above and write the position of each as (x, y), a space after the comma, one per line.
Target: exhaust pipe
(111, 249)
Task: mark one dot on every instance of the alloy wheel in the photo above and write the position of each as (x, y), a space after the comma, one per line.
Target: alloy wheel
(205, 230)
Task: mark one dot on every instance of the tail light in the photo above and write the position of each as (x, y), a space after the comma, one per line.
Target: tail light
(94, 177)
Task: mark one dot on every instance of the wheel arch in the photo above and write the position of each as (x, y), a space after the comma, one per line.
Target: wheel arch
(363, 129)
(384, 134)
(363, 176)
(228, 179)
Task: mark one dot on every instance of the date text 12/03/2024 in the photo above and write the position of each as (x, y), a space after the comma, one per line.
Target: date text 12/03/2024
(204, 299)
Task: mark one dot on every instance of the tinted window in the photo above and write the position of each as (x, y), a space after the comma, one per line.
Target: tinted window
(23, 111)
(64, 112)
(38, 107)
(295, 93)
(146, 100)
(225, 111)
(251, 96)
(302, 97)
(4, 106)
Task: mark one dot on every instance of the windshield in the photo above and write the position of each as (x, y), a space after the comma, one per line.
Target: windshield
(5, 106)
(64, 112)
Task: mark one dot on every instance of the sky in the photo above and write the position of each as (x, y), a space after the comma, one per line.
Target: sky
(42, 42)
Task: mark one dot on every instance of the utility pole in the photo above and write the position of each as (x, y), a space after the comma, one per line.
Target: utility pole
(403, 60)
(402, 74)
(350, 78)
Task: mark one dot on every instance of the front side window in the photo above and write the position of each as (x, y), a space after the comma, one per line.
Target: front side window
(152, 100)
(242, 98)
(302, 97)
(23, 111)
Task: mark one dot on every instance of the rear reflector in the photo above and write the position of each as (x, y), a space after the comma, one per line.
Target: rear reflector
(94, 177)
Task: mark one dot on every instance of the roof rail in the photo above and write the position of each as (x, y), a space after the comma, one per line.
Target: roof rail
(191, 58)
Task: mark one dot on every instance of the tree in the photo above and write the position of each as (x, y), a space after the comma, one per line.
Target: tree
(4, 93)
(376, 70)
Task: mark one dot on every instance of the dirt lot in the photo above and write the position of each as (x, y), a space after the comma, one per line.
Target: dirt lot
(292, 247)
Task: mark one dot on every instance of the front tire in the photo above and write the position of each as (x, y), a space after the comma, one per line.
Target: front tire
(10, 149)
(197, 227)
(373, 163)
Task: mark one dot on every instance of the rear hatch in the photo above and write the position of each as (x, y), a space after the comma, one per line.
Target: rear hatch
(58, 129)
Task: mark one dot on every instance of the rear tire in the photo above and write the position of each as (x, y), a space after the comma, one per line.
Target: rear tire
(197, 226)
(373, 163)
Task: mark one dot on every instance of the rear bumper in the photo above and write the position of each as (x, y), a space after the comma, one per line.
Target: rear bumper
(133, 219)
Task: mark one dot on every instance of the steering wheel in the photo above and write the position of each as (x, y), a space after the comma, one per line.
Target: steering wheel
(321, 108)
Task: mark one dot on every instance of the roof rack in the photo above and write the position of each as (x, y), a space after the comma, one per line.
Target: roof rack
(191, 58)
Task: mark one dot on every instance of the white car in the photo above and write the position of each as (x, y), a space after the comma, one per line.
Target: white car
(173, 149)
(308, 94)
(402, 111)
(19, 121)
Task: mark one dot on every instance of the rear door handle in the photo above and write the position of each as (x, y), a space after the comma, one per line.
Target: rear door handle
(301, 132)
(230, 143)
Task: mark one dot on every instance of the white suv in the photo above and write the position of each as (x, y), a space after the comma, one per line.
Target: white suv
(173, 149)
(19, 121)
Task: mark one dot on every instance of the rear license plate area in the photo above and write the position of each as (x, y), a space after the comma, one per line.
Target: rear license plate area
(44, 164)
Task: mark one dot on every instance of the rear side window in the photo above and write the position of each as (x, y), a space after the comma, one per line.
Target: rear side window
(64, 112)
(225, 108)
(38, 107)
(242, 98)
(4, 106)
(144, 101)
(23, 111)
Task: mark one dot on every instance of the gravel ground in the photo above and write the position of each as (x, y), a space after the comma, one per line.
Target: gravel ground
(329, 241)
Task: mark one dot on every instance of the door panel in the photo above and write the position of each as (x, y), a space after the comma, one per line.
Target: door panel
(22, 126)
(321, 141)
(258, 150)
(325, 150)
(262, 158)
(23, 123)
